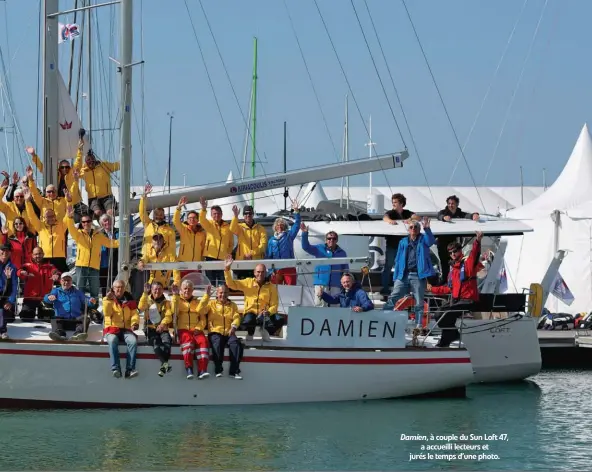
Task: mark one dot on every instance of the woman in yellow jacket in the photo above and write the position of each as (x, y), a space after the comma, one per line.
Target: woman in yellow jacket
(52, 234)
(223, 321)
(219, 241)
(158, 316)
(158, 253)
(191, 323)
(261, 301)
(193, 236)
(88, 252)
(121, 319)
(157, 225)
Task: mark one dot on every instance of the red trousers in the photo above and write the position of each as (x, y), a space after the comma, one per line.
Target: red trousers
(285, 276)
(189, 342)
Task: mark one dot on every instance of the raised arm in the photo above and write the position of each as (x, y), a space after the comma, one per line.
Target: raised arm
(306, 246)
(32, 216)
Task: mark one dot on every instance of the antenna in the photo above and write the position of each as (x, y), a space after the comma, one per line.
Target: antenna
(370, 144)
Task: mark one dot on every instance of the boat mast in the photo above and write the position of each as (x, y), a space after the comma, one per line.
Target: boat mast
(254, 116)
(50, 91)
(125, 150)
(370, 144)
(346, 152)
(285, 169)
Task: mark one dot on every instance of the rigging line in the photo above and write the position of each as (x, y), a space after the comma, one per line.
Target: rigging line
(259, 160)
(515, 91)
(212, 86)
(477, 116)
(39, 65)
(350, 89)
(143, 89)
(378, 74)
(415, 149)
(312, 82)
(443, 104)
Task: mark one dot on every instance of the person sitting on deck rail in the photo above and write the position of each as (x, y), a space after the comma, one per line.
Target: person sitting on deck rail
(156, 225)
(281, 246)
(8, 290)
(413, 266)
(158, 253)
(351, 295)
(398, 213)
(121, 319)
(70, 305)
(252, 238)
(52, 234)
(223, 321)
(191, 322)
(39, 278)
(452, 211)
(97, 178)
(327, 278)
(88, 252)
(158, 317)
(219, 239)
(192, 235)
(462, 285)
(261, 301)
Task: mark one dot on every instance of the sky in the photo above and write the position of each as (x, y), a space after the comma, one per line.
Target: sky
(536, 103)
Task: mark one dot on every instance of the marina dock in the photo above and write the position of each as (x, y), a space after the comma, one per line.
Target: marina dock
(569, 348)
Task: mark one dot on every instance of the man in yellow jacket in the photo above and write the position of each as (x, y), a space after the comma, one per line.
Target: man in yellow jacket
(158, 253)
(52, 234)
(191, 323)
(193, 236)
(219, 241)
(158, 316)
(261, 301)
(97, 179)
(88, 252)
(252, 238)
(121, 319)
(156, 225)
(223, 321)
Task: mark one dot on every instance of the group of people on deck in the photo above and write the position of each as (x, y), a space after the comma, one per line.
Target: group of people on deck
(33, 262)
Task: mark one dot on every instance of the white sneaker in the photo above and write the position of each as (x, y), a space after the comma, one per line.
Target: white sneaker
(236, 376)
(219, 375)
(4, 336)
(203, 375)
(265, 335)
(249, 337)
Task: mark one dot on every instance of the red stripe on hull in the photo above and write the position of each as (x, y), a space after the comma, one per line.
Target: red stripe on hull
(264, 360)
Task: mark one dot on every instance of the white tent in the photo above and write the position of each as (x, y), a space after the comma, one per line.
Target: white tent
(561, 219)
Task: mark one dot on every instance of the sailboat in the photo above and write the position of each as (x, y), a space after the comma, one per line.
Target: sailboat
(326, 354)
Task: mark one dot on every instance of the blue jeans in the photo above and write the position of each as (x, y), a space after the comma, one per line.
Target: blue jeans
(387, 276)
(88, 277)
(409, 283)
(132, 345)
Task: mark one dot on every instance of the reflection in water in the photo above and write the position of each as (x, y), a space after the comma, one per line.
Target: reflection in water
(542, 421)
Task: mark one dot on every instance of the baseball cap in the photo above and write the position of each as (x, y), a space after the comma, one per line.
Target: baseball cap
(247, 209)
(66, 275)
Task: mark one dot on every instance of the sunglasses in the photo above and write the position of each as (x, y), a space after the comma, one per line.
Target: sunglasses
(64, 167)
(248, 214)
(85, 221)
(331, 239)
(50, 191)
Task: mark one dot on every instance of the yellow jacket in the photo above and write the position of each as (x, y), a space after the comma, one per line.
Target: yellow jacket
(97, 180)
(69, 178)
(52, 238)
(191, 314)
(58, 205)
(11, 211)
(250, 240)
(222, 317)
(192, 244)
(151, 228)
(220, 240)
(156, 312)
(257, 297)
(120, 315)
(162, 276)
(88, 250)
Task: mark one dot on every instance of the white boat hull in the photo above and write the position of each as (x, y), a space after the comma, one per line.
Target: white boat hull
(78, 375)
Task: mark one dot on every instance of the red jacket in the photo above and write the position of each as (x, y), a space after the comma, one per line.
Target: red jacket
(462, 278)
(22, 247)
(38, 281)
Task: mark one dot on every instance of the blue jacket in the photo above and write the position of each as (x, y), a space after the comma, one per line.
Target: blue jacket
(283, 248)
(68, 304)
(105, 251)
(8, 288)
(425, 268)
(354, 297)
(328, 275)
